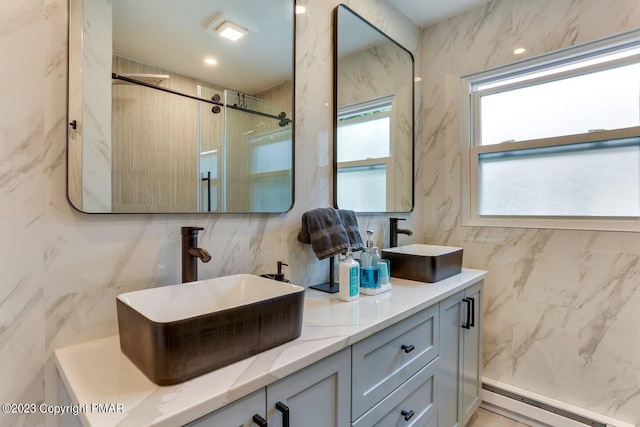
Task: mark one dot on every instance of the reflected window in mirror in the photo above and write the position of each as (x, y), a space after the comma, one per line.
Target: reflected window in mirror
(373, 118)
(364, 155)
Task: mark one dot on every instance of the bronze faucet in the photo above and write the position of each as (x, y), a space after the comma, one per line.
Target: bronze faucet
(394, 231)
(190, 253)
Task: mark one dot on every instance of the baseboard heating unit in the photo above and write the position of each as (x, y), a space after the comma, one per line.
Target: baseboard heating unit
(539, 411)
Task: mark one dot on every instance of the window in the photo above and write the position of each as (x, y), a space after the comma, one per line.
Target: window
(554, 141)
(271, 171)
(364, 155)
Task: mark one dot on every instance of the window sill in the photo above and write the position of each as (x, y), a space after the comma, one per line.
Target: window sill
(557, 223)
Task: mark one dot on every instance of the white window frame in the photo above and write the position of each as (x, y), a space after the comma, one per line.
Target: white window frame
(387, 162)
(470, 128)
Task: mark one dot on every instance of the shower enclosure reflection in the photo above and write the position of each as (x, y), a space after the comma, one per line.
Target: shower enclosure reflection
(170, 132)
(245, 160)
(239, 151)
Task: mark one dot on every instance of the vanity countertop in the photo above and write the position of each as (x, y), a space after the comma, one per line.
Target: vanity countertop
(97, 371)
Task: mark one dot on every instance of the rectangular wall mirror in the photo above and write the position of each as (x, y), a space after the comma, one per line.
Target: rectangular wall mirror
(181, 106)
(373, 156)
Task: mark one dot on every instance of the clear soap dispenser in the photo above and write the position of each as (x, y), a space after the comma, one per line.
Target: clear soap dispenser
(369, 260)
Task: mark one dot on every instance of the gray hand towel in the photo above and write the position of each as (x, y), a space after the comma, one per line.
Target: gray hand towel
(323, 228)
(350, 223)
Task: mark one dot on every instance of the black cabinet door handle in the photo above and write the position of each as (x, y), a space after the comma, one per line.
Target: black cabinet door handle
(285, 413)
(466, 324)
(408, 348)
(472, 317)
(261, 422)
(407, 415)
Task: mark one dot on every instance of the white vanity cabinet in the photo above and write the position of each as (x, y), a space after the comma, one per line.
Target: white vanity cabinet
(394, 360)
(317, 396)
(410, 405)
(460, 374)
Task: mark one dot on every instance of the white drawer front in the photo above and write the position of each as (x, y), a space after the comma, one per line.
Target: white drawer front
(237, 414)
(382, 362)
(411, 405)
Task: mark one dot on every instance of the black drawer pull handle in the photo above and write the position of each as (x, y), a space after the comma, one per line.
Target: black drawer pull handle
(472, 322)
(285, 413)
(408, 348)
(407, 415)
(261, 422)
(466, 324)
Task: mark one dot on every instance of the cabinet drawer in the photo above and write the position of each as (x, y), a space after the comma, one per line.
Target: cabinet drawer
(414, 399)
(237, 414)
(382, 362)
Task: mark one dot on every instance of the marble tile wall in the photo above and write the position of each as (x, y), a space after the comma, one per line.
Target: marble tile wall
(561, 307)
(60, 270)
(22, 107)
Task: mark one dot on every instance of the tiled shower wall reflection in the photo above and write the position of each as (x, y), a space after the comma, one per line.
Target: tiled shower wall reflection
(561, 307)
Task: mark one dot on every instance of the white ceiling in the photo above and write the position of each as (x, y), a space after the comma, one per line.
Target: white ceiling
(173, 35)
(427, 12)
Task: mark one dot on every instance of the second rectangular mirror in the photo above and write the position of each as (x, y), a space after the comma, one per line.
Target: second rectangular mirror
(373, 118)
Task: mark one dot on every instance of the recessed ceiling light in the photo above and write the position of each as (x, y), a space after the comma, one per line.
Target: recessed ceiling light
(417, 79)
(519, 51)
(231, 31)
(300, 9)
(211, 61)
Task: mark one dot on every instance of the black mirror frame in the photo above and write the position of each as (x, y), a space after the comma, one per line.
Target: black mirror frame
(335, 109)
(72, 125)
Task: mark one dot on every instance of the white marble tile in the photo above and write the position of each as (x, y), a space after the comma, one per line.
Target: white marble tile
(122, 254)
(442, 220)
(441, 131)
(21, 292)
(21, 199)
(544, 349)
(552, 260)
(499, 304)
(610, 242)
(608, 334)
(566, 297)
(22, 352)
(21, 85)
